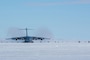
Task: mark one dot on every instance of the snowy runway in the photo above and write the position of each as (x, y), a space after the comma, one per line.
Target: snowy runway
(44, 51)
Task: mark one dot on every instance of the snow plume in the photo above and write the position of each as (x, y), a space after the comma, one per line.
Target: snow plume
(44, 32)
(15, 32)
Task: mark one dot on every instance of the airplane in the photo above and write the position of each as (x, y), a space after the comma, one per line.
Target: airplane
(28, 39)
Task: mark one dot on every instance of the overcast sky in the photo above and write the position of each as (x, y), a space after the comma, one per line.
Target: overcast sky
(66, 19)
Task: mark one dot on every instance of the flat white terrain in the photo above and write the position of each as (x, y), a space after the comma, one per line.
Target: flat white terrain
(44, 51)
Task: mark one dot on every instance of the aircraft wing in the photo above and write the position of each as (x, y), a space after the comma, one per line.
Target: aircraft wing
(16, 38)
(28, 37)
(38, 38)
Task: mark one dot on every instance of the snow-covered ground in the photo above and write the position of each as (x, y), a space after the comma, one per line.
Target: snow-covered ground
(44, 51)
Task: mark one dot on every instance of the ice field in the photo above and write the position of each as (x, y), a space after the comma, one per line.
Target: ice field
(44, 51)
